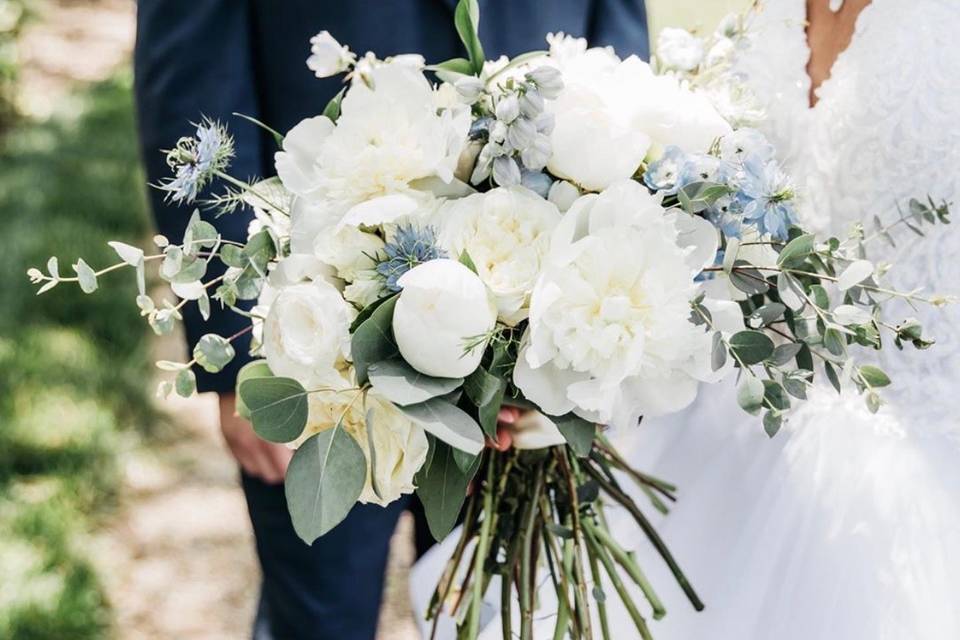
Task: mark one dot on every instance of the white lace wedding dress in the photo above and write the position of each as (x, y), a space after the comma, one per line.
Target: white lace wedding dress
(846, 525)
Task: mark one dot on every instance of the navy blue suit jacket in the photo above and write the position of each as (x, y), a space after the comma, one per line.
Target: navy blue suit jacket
(217, 57)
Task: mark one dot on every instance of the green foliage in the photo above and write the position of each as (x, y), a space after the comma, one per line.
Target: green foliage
(442, 488)
(372, 341)
(448, 423)
(578, 432)
(73, 368)
(400, 383)
(323, 482)
(467, 21)
(278, 407)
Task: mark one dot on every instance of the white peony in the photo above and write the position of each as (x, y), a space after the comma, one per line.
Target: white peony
(306, 335)
(327, 56)
(388, 135)
(400, 444)
(610, 112)
(506, 232)
(610, 336)
(679, 49)
(442, 307)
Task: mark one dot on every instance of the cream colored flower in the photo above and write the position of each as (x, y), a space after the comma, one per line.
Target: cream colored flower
(506, 232)
(400, 444)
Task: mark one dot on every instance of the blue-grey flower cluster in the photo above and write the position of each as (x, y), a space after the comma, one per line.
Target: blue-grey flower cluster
(196, 159)
(758, 192)
(409, 247)
(518, 133)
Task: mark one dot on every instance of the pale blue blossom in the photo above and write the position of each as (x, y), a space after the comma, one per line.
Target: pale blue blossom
(410, 246)
(766, 196)
(196, 160)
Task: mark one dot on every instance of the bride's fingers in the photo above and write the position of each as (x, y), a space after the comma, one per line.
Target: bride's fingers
(508, 415)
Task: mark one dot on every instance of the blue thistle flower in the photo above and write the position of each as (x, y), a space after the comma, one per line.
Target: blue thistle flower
(196, 159)
(410, 246)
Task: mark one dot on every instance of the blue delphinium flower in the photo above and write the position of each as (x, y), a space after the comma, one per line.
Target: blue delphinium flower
(409, 247)
(663, 176)
(766, 196)
(196, 159)
(739, 144)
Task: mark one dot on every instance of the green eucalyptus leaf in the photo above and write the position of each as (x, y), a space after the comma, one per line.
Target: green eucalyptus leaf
(751, 347)
(457, 65)
(185, 383)
(796, 250)
(278, 407)
(250, 371)
(213, 352)
(719, 352)
(324, 480)
(832, 376)
(775, 395)
(750, 394)
(448, 424)
(874, 376)
(772, 421)
(133, 256)
(86, 275)
(747, 279)
(784, 353)
(401, 384)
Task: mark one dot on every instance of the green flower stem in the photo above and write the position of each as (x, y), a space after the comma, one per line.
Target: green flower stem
(564, 565)
(601, 604)
(583, 606)
(446, 579)
(651, 533)
(527, 569)
(630, 566)
(506, 606)
(473, 619)
(248, 188)
(600, 553)
(664, 487)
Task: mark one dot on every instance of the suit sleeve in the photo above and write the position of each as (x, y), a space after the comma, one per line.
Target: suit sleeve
(621, 24)
(193, 58)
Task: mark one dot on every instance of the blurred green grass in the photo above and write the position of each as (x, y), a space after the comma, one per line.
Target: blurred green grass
(697, 15)
(74, 376)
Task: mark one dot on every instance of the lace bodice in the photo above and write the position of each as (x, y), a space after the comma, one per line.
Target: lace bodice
(886, 129)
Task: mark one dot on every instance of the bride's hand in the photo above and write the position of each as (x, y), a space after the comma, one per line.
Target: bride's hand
(507, 417)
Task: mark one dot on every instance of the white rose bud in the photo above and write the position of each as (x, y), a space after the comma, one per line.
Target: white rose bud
(327, 56)
(442, 307)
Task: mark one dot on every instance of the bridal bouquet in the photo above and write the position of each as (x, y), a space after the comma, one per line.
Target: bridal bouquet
(581, 238)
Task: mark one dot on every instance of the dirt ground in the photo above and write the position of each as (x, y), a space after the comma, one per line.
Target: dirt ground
(177, 557)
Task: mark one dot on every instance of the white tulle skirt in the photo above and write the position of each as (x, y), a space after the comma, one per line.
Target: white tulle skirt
(845, 526)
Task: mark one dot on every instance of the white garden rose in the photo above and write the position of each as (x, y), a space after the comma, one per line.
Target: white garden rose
(400, 444)
(679, 49)
(306, 335)
(610, 112)
(388, 135)
(506, 232)
(610, 336)
(442, 307)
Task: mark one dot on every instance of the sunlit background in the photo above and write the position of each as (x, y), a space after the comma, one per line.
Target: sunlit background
(119, 515)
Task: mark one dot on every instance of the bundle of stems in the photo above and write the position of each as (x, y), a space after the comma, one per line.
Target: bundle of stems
(537, 517)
